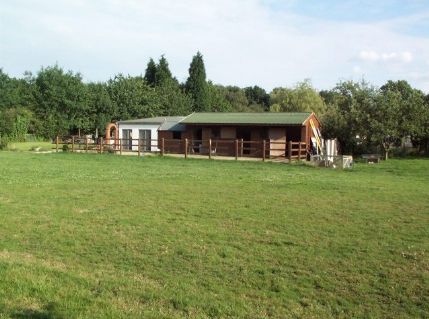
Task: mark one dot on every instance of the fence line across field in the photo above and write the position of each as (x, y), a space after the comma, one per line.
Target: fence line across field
(237, 148)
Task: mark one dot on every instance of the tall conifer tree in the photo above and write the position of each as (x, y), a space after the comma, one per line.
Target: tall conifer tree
(163, 73)
(150, 74)
(196, 85)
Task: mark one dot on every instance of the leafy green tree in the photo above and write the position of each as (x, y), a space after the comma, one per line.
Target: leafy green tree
(302, 98)
(14, 123)
(101, 108)
(16, 93)
(172, 100)
(343, 118)
(236, 97)
(132, 98)
(410, 107)
(196, 85)
(61, 101)
(218, 101)
(150, 74)
(258, 96)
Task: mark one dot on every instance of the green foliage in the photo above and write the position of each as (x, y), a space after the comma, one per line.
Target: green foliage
(258, 96)
(61, 101)
(236, 97)
(101, 108)
(14, 123)
(56, 102)
(217, 98)
(196, 84)
(364, 118)
(132, 97)
(172, 100)
(302, 98)
(150, 74)
(162, 72)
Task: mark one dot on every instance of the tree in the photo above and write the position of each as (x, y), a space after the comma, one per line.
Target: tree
(150, 74)
(162, 73)
(411, 109)
(61, 104)
(344, 117)
(258, 96)
(101, 109)
(196, 85)
(14, 125)
(132, 98)
(301, 98)
(218, 101)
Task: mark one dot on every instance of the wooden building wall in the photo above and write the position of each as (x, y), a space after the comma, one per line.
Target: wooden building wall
(281, 134)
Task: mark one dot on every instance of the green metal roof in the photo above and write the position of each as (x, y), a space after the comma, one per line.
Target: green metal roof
(153, 120)
(172, 126)
(271, 118)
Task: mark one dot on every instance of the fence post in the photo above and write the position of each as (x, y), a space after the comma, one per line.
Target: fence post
(210, 148)
(236, 149)
(120, 146)
(186, 148)
(138, 147)
(241, 148)
(263, 150)
(57, 142)
(299, 151)
(162, 146)
(86, 145)
(289, 151)
(101, 145)
(72, 144)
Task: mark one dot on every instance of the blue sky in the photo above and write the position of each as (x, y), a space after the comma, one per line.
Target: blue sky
(269, 43)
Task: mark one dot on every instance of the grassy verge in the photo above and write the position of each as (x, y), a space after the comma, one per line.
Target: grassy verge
(86, 235)
(30, 146)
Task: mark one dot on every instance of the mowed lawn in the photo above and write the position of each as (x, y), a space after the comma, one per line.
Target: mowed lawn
(104, 236)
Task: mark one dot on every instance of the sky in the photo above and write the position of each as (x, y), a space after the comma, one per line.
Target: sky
(269, 43)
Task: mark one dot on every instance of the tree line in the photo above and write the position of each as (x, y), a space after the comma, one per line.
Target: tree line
(58, 102)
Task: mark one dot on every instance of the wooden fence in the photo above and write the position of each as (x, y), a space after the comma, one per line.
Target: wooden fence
(238, 148)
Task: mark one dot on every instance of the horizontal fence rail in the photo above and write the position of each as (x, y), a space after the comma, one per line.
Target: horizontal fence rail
(238, 148)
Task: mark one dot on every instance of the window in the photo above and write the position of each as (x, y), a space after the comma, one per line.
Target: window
(127, 139)
(145, 140)
(177, 135)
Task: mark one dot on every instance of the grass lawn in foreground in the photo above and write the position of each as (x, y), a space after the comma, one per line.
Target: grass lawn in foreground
(104, 236)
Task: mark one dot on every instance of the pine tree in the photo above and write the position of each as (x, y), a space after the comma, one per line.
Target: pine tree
(150, 74)
(196, 85)
(163, 73)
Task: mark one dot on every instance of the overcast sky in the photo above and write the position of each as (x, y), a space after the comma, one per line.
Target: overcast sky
(268, 43)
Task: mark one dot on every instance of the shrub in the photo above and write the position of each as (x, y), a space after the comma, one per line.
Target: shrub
(4, 141)
(65, 148)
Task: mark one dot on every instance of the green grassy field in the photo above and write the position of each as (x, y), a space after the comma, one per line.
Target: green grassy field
(27, 146)
(103, 236)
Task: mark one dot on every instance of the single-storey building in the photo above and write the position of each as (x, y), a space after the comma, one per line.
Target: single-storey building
(221, 130)
(130, 133)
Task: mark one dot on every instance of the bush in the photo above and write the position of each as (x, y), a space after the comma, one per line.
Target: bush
(4, 141)
(65, 148)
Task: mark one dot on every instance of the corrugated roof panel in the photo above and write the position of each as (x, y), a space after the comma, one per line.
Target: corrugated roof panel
(153, 120)
(290, 118)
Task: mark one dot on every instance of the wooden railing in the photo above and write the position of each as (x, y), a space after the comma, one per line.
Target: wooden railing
(238, 148)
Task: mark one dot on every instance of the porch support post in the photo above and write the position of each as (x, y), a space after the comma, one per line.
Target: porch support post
(263, 150)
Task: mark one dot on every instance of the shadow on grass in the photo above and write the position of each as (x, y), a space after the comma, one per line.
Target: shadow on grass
(48, 312)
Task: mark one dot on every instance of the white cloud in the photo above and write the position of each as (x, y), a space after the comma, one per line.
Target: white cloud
(373, 56)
